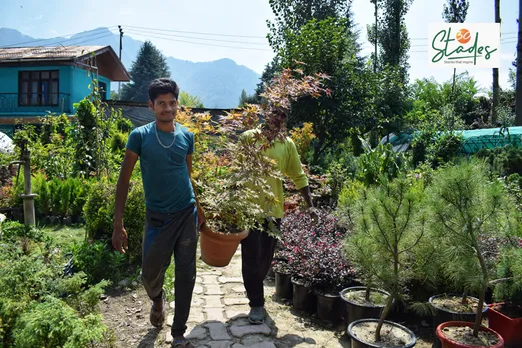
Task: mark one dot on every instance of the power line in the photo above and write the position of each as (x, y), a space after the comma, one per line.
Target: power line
(140, 31)
(61, 39)
(195, 32)
(100, 37)
(205, 44)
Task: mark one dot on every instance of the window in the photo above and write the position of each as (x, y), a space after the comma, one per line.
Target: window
(38, 88)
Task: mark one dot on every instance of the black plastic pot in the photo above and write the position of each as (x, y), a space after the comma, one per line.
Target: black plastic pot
(303, 297)
(356, 311)
(356, 342)
(270, 273)
(329, 307)
(443, 315)
(283, 285)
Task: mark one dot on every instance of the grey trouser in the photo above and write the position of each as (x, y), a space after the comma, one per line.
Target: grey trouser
(165, 234)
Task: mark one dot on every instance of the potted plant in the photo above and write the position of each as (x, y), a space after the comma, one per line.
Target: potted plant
(232, 171)
(468, 209)
(389, 227)
(298, 240)
(333, 271)
(360, 301)
(505, 315)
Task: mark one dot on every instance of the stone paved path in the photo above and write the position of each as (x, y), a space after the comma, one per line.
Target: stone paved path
(219, 311)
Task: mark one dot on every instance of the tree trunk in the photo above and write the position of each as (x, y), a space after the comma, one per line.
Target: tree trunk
(518, 97)
(496, 87)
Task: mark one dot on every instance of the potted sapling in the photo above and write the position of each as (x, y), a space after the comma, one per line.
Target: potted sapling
(389, 227)
(469, 210)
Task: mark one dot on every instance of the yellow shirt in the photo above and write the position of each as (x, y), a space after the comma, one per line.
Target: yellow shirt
(287, 158)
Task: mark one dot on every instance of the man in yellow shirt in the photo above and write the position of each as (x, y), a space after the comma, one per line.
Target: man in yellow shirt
(257, 250)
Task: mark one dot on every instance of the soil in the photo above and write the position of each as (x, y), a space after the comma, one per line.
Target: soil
(454, 303)
(358, 297)
(464, 335)
(509, 310)
(391, 336)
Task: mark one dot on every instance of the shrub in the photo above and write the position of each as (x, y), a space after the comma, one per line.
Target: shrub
(53, 323)
(381, 161)
(314, 251)
(435, 147)
(99, 215)
(503, 160)
(31, 283)
(97, 261)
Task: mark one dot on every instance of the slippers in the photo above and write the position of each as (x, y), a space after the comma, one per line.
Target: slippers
(157, 316)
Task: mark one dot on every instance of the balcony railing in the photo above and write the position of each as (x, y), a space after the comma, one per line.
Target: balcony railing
(34, 102)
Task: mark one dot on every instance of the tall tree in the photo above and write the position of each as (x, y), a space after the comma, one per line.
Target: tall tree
(149, 65)
(496, 86)
(518, 97)
(393, 36)
(455, 11)
(291, 15)
(325, 47)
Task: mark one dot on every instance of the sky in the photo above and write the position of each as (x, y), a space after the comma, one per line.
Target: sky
(180, 28)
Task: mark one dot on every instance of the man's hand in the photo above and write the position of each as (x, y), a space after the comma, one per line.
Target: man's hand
(201, 218)
(119, 238)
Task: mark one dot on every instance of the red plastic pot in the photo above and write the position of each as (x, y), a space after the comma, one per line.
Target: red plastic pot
(509, 328)
(448, 343)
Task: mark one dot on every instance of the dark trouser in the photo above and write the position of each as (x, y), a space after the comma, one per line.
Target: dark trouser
(257, 252)
(164, 234)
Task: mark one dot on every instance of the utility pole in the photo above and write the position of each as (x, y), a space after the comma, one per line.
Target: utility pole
(496, 86)
(121, 44)
(518, 95)
(376, 35)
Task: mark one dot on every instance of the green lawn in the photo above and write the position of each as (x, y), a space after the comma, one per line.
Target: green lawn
(64, 235)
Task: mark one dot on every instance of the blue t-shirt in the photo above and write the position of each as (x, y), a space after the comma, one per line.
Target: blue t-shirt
(164, 172)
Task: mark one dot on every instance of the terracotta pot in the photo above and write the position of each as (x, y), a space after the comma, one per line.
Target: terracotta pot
(217, 249)
(357, 342)
(509, 328)
(447, 343)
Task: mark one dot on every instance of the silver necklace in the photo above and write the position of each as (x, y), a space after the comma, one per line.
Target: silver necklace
(159, 141)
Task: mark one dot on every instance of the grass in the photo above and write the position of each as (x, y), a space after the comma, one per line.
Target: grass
(64, 235)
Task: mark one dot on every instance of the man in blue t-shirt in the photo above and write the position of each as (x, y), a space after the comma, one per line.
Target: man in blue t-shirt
(173, 215)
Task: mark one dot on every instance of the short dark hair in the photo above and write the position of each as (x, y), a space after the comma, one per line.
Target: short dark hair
(163, 86)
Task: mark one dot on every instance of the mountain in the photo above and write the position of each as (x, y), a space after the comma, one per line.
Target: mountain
(218, 83)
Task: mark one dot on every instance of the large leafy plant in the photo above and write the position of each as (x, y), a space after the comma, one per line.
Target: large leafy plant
(231, 169)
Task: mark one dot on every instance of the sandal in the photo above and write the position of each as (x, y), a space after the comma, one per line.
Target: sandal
(184, 343)
(157, 316)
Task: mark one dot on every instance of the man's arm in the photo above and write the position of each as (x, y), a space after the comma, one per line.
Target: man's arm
(201, 214)
(119, 235)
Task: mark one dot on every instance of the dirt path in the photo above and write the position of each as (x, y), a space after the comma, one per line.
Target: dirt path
(218, 317)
